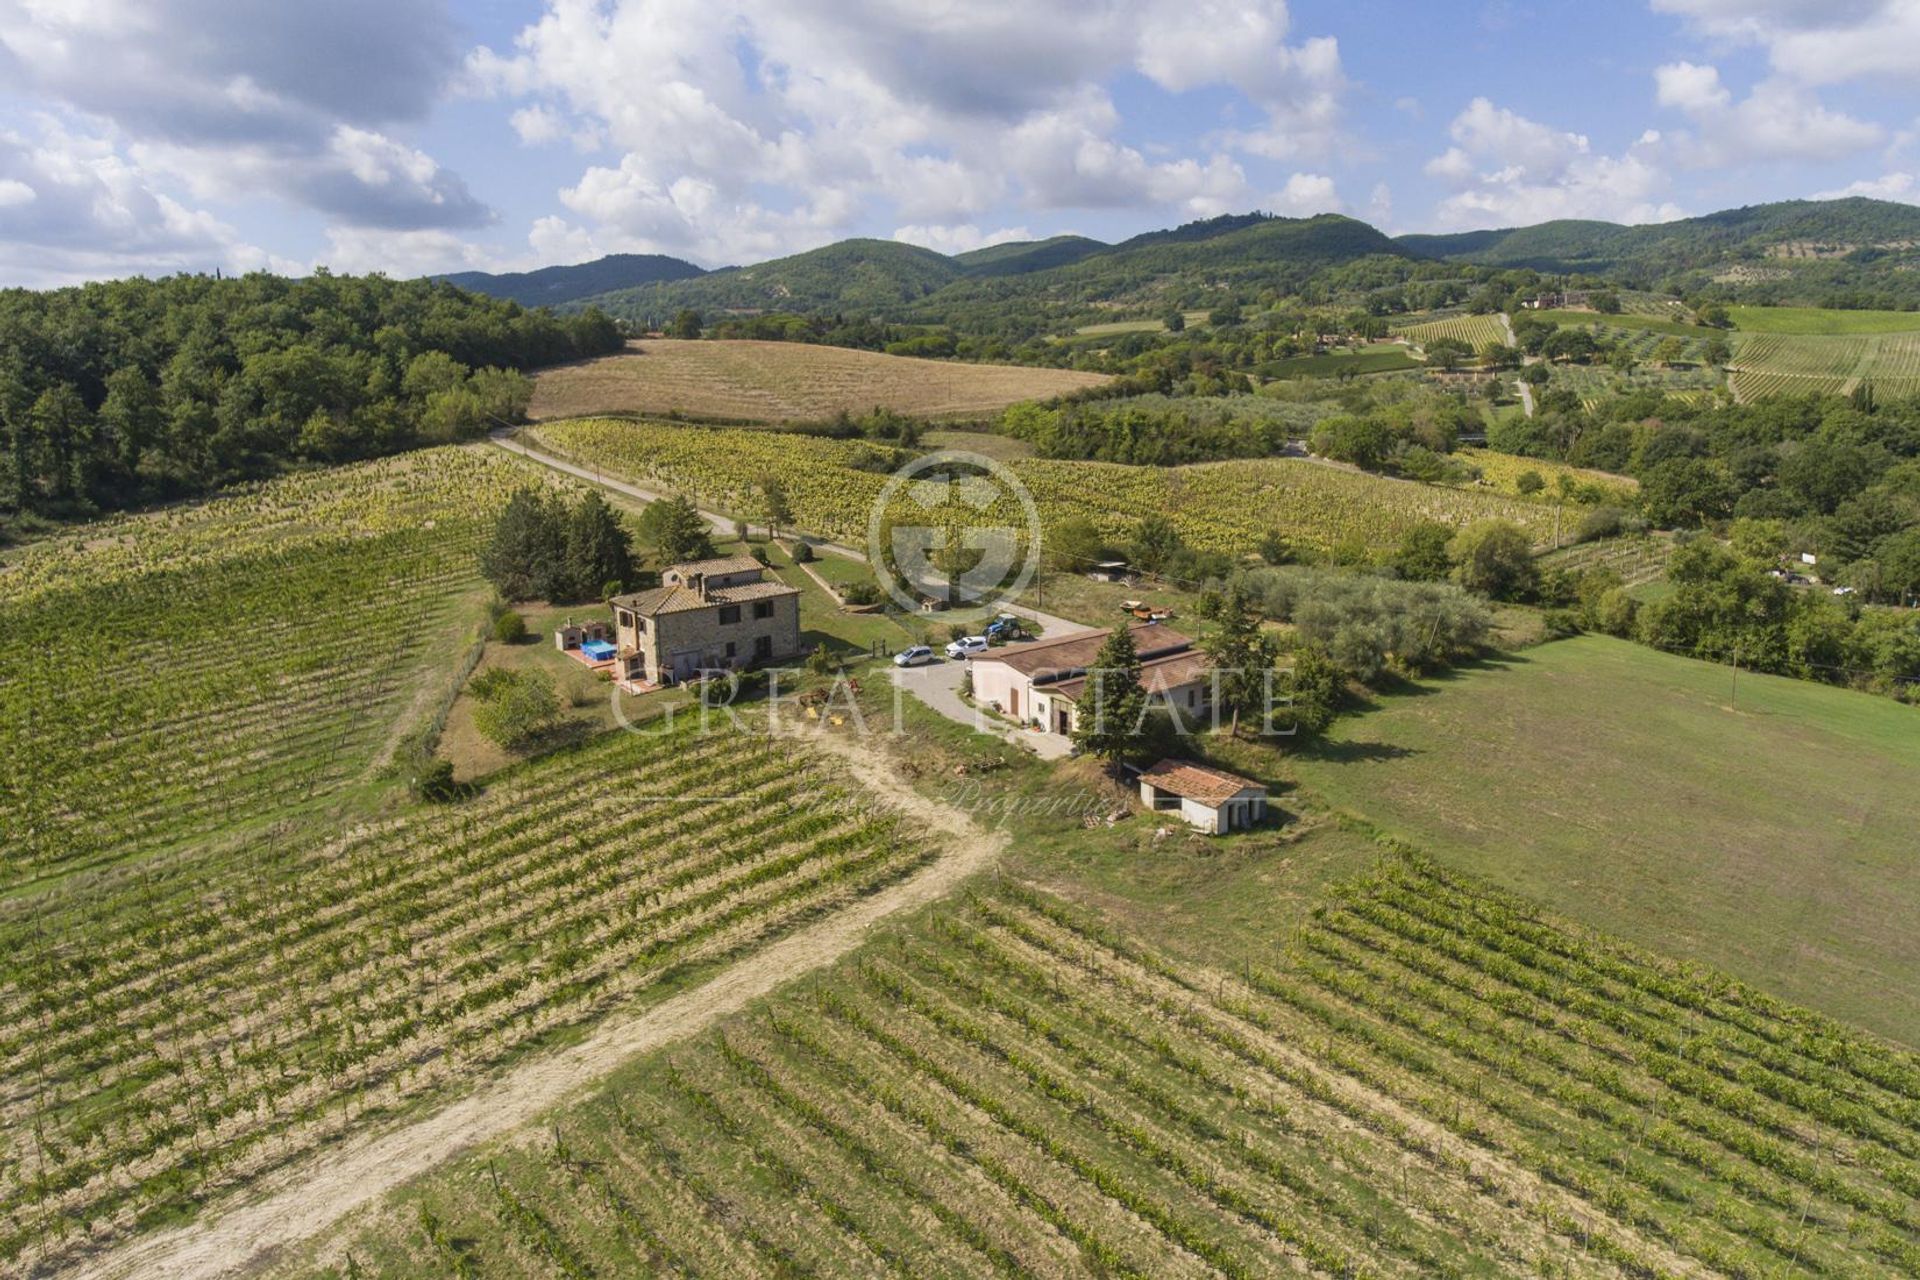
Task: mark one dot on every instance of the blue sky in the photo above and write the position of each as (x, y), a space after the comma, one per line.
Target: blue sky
(414, 136)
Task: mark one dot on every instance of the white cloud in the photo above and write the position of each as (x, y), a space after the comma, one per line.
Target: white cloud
(1779, 120)
(421, 252)
(290, 101)
(958, 239)
(743, 129)
(1306, 194)
(1816, 41)
(1904, 187)
(1508, 170)
(72, 207)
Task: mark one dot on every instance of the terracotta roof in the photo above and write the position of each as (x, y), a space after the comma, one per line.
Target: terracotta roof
(1156, 676)
(1070, 655)
(1192, 781)
(678, 599)
(720, 565)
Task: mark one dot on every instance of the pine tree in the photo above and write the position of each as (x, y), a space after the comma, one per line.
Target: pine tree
(526, 560)
(1111, 712)
(599, 551)
(1242, 654)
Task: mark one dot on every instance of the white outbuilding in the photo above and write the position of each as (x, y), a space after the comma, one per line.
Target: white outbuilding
(1211, 799)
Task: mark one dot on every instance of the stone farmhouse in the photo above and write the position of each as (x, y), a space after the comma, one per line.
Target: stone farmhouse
(706, 615)
(1039, 682)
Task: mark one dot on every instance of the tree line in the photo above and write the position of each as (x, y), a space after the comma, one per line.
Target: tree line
(137, 391)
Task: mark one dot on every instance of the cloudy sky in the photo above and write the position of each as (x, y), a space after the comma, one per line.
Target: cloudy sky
(414, 136)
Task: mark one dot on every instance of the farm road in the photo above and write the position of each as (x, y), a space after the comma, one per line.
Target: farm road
(305, 1200)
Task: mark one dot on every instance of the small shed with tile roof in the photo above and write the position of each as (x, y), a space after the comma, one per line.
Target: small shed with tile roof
(1211, 799)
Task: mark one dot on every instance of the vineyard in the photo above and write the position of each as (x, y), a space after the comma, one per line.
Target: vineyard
(1223, 506)
(165, 674)
(186, 1027)
(788, 382)
(1475, 331)
(1432, 1080)
(1502, 471)
(1638, 559)
(1792, 364)
(1596, 382)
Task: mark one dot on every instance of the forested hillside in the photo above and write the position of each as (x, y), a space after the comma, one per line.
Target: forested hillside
(1854, 252)
(114, 395)
(555, 286)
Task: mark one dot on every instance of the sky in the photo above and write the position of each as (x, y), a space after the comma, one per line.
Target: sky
(422, 136)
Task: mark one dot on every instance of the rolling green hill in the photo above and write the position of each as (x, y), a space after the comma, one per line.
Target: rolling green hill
(1852, 253)
(904, 282)
(557, 286)
(1023, 256)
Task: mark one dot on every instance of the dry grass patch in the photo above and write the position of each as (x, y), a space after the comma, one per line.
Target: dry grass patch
(786, 382)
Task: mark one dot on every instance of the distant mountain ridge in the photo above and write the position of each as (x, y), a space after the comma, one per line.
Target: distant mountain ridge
(557, 286)
(1767, 252)
(1785, 230)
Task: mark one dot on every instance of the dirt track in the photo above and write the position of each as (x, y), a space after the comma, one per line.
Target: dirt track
(304, 1201)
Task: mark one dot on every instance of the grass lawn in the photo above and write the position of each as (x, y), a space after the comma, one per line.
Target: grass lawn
(1075, 596)
(1383, 357)
(1615, 784)
(1821, 320)
(1621, 320)
(987, 443)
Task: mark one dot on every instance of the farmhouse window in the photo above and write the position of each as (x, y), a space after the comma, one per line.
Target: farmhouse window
(763, 608)
(763, 647)
(729, 614)
(730, 648)
(626, 619)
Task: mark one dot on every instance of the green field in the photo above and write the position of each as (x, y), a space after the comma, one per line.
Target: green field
(1772, 838)
(1384, 357)
(1623, 321)
(1817, 320)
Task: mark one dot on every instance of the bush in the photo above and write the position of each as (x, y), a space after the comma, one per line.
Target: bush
(1601, 522)
(509, 628)
(516, 707)
(1494, 558)
(802, 552)
(434, 783)
(861, 593)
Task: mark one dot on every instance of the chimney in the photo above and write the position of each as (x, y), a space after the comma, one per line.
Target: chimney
(698, 581)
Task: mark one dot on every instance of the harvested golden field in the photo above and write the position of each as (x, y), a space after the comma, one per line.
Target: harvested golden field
(786, 382)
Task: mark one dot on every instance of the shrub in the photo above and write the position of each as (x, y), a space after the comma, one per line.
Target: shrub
(802, 552)
(509, 628)
(515, 707)
(1494, 558)
(1601, 522)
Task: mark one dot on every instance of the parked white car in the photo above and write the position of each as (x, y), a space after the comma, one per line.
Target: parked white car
(913, 657)
(967, 646)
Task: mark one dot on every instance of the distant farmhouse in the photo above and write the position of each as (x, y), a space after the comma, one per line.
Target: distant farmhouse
(706, 615)
(1039, 682)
